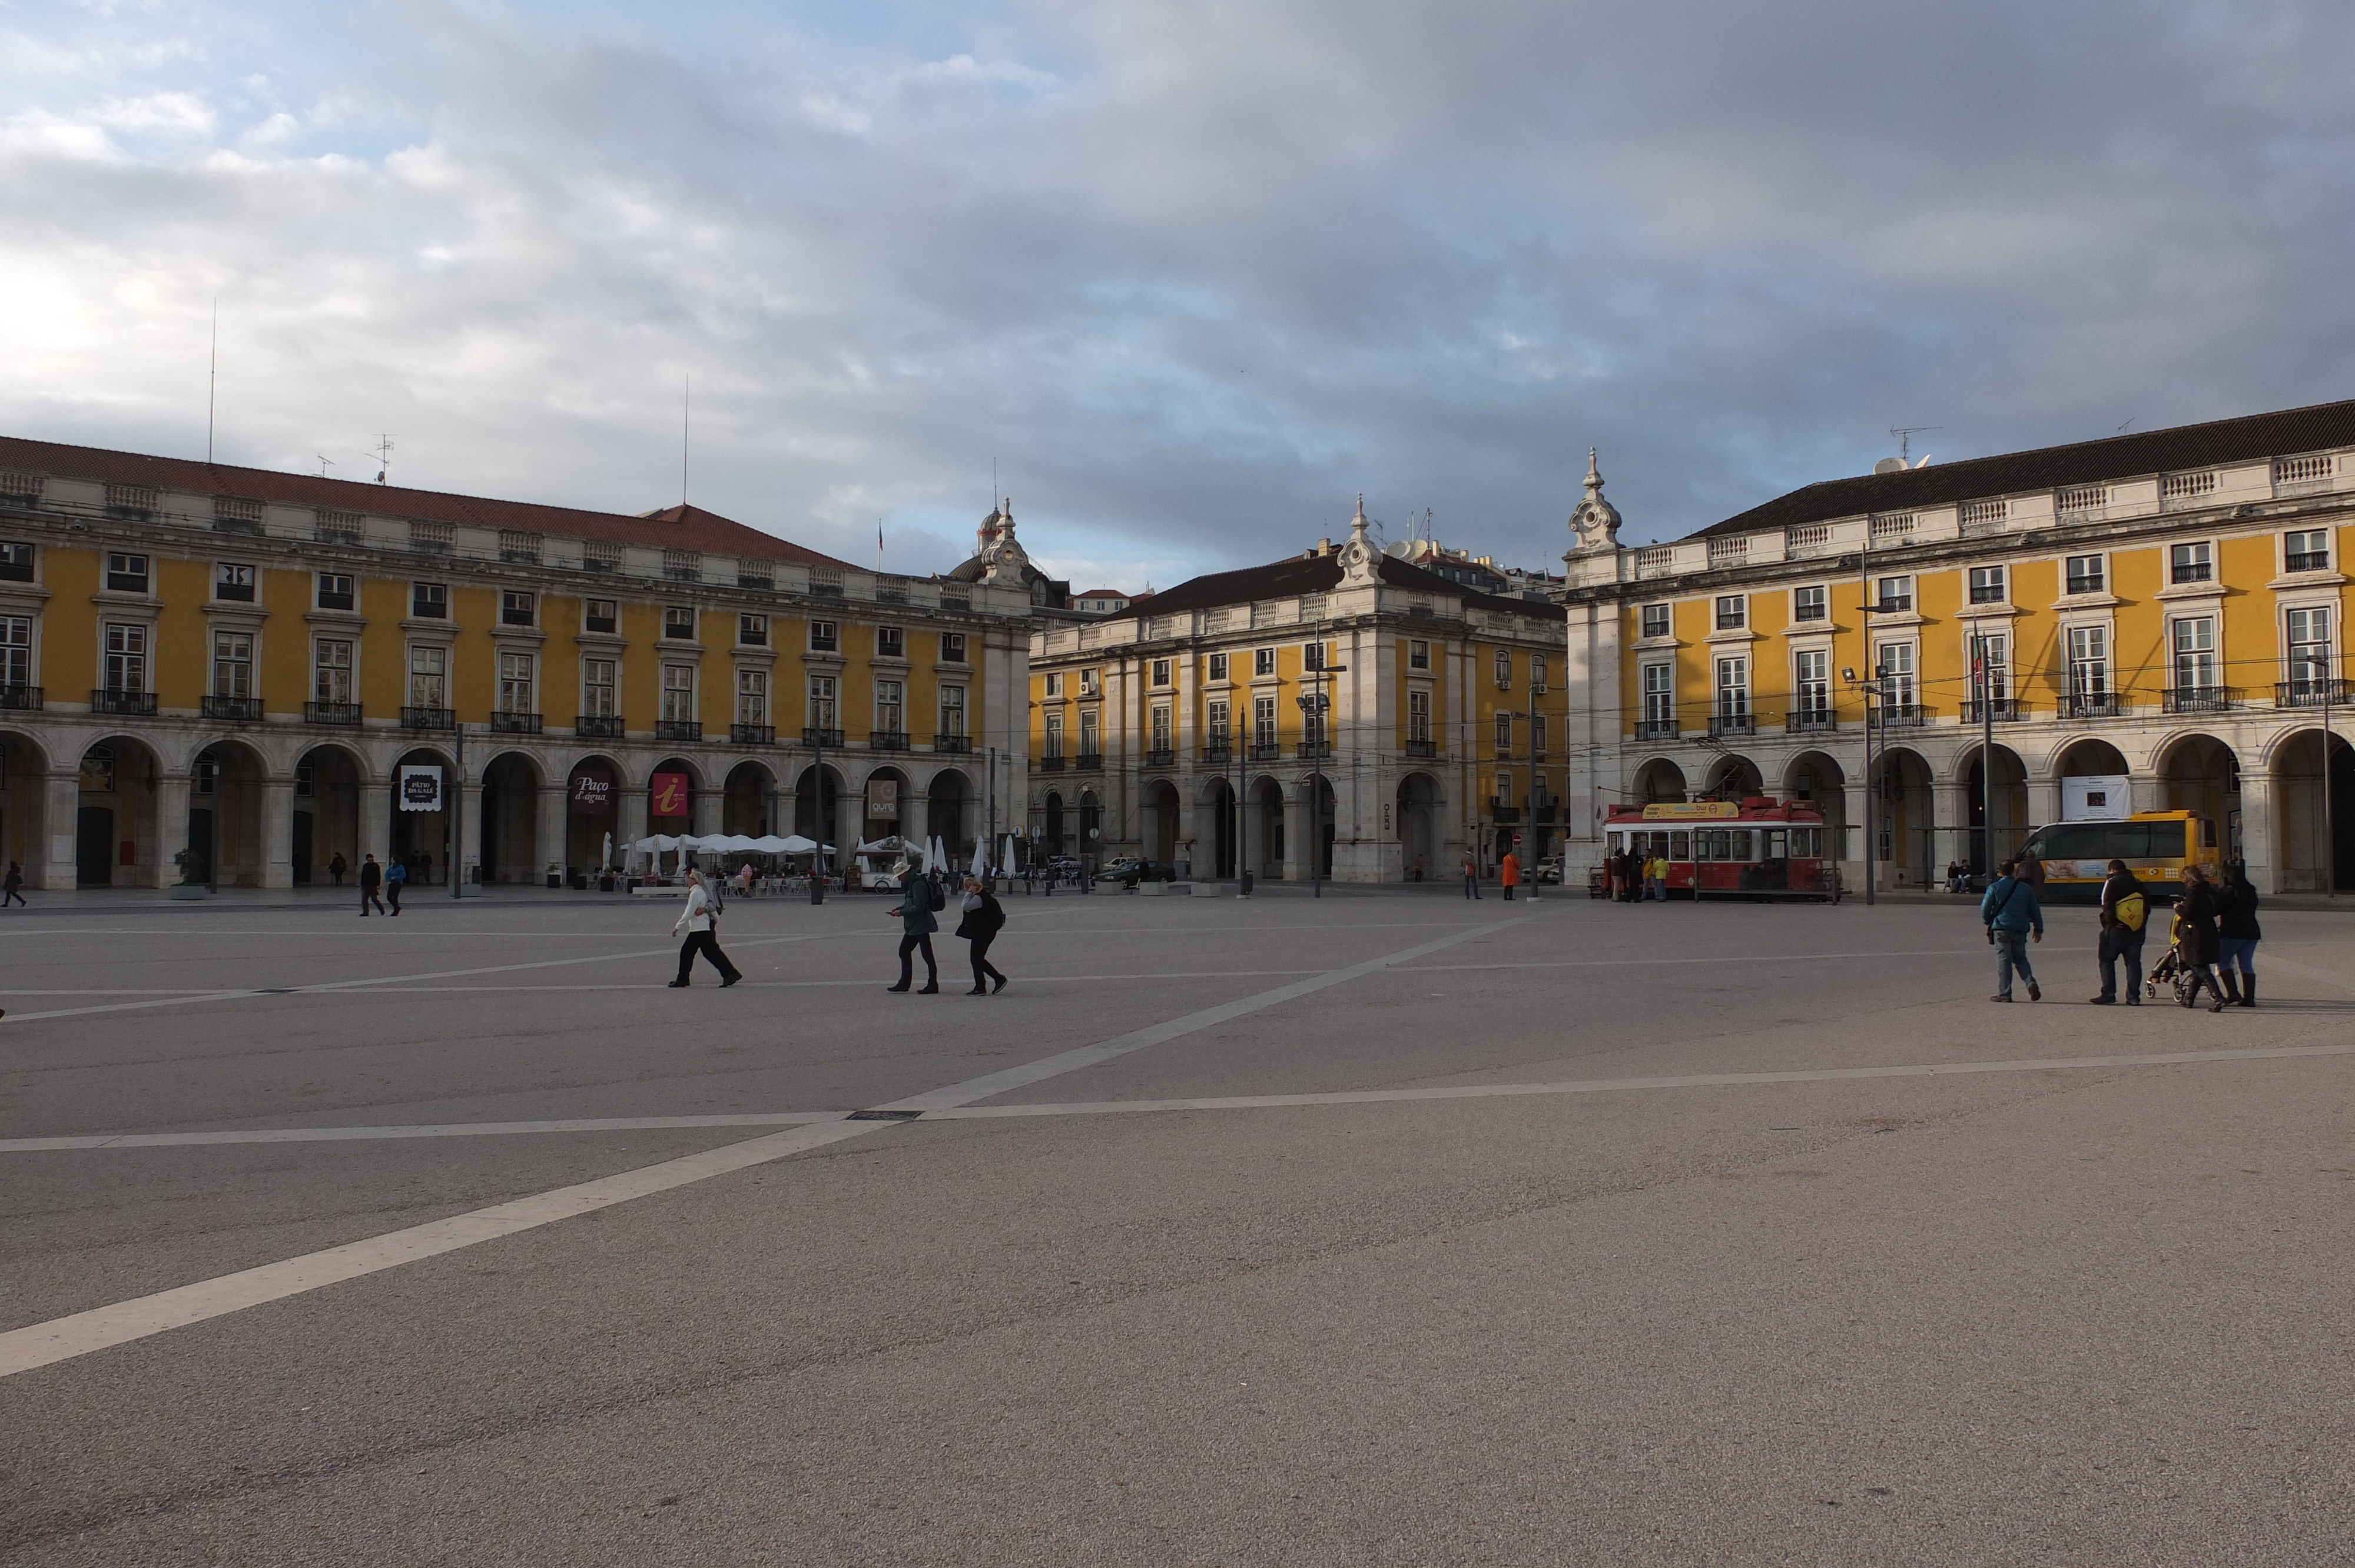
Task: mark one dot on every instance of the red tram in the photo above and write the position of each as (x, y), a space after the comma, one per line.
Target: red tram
(1757, 848)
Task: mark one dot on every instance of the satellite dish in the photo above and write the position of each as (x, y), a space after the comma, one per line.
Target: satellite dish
(1889, 465)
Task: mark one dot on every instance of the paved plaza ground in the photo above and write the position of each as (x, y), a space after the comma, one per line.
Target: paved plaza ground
(1386, 1228)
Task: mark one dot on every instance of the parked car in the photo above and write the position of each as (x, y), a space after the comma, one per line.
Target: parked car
(1549, 870)
(1128, 870)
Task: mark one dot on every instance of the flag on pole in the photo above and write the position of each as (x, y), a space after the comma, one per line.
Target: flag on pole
(878, 544)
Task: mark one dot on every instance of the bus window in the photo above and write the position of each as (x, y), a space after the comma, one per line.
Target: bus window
(2207, 833)
(1680, 844)
(2166, 839)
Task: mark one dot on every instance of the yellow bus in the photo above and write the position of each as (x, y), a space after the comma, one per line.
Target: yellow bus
(2156, 844)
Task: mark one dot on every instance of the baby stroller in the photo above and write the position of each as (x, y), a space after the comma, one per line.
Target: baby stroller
(2173, 970)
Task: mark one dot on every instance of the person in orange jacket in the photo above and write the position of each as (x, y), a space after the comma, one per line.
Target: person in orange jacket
(1509, 873)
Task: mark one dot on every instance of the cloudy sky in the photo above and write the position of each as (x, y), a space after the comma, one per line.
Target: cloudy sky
(1191, 276)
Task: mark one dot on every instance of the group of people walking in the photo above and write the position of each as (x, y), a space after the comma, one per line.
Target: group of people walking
(378, 883)
(2213, 944)
(921, 902)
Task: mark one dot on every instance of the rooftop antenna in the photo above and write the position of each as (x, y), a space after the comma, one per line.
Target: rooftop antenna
(383, 457)
(1905, 434)
(325, 463)
(212, 383)
(2122, 428)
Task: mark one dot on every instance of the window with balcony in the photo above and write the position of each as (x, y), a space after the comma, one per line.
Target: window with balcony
(752, 697)
(1161, 672)
(1811, 685)
(1262, 662)
(753, 631)
(1988, 585)
(519, 608)
(1538, 672)
(679, 623)
(1655, 619)
(952, 713)
(602, 616)
(1504, 672)
(1504, 734)
(2308, 550)
(1418, 717)
(1991, 671)
(890, 707)
(2308, 635)
(519, 693)
(825, 637)
(1418, 655)
(429, 676)
(1733, 690)
(2194, 641)
(2089, 671)
(600, 688)
(1263, 722)
(890, 642)
(16, 652)
(1659, 699)
(1219, 715)
(953, 648)
(1811, 604)
(1162, 727)
(1314, 709)
(1732, 611)
(1091, 736)
(126, 657)
(1896, 667)
(2194, 563)
(678, 693)
(125, 574)
(233, 582)
(1218, 666)
(1537, 735)
(15, 562)
(1055, 735)
(427, 602)
(823, 712)
(233, 665)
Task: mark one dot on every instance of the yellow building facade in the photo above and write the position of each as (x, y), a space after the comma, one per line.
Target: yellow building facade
(2163, 610)
(240, 669)
(1347, 700)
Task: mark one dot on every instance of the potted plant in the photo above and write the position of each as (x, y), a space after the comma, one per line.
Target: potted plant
(191, 886)
(555, 874)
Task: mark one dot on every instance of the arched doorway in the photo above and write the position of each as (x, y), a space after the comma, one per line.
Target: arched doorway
(1735, 778)
(672, 791)
(1091, 826)
(2200, 773)
(510, 819)
(1983, 843)
(327, 783)
(1905, 819)
(1815, 778)
(1267, 801)
(883, 807)
(225, 832)
(947, 815)
(115, 838)
(1218, 806)
(1053, 831)
(1418, 819)
(745, 801)
(1161, 821)
(593, 796)
(1659, 780)
(422, 818)
(2318, 832)
(23, 806)
(818, 797)
(1321, 813)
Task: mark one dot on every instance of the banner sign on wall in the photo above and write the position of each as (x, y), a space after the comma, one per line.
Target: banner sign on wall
(669, 796)
(882, 800)
(593, 793)
(2096, 798)
(420, 787)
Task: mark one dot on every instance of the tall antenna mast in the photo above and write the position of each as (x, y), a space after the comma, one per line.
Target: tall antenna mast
(686, 414)
(383, 457)
(1905, 433)
(212, 384)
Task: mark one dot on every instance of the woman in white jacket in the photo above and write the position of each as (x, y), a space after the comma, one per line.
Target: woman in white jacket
(697, 921)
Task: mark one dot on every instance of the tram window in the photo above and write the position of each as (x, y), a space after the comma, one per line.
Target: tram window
(1777, 844)
(1742, 844)
(1680, 844)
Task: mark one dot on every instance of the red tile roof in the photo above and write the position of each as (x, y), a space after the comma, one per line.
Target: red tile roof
(672, 528)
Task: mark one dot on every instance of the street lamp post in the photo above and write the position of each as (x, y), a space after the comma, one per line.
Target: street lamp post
(1312, 706)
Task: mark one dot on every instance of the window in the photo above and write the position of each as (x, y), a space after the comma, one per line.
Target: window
(752, 631)
(599, 615)
(597, 693)
(2089, 663)
(232, 664)
(1164, 728)
(822, 712)
(1504, 669)
(15, 563)
(126, 657)
(427, 602)
(1537, 673)
(2302, 552)
(516, 692)
(953, 648)
(1262, 662)
(2087, 574)
(1262, 721)
(1810, 604)
(1221, 721)
(1504, 734)
(1655, 620)
(16, 650)
(335, 591)
(1218, 666)
(1161, 672)
(752, 697)
(1732, 612)
(1418, 716)
(890, 642)
(1896, 667)
(1312, 656)
(679, 623)
(2193, 639)
(1537, 735)
(2191, 563)
(1659, 694)
(519, 608)
(126, 573)
(233, 581)
(953, 710)
(2309, 650)
(890, 707)
(1896, 595)
(1733, 688)
(1418, 655)
(1987, 585)
(1503, 789)
(1055, 683)
(1054, 735)
(678, 693)
(429, 676)
(1089, 746)
(825, 637)
(1091, 683)
(1993, 675)
(1811, 683)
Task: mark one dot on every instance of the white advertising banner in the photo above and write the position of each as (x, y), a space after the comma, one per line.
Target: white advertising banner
(420, 787)
(2095, 797)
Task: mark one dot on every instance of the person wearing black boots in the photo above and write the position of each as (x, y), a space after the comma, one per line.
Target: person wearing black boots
(2197, 943)
(916, 928)
(2236, 935)
(983, 920)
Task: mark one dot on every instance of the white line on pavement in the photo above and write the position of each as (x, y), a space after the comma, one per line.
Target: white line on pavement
(431, 1129)
(62, 1338)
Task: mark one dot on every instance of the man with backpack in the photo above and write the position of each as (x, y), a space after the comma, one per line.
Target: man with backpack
(2011, 913)
(2125, 916)
(919, 899)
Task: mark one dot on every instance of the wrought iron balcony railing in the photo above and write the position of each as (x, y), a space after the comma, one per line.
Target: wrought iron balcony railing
(2090, 705)
(238, 710)
(1810, 721)
(955, 743)
(887, 740)
(1160, 756)
(2202, 699)
(115, 700)
(428, 718)
(1733, 724)
(346, 716)
(1426, 746)
(1266, 751)
(598, 727)
(752, 733)
(816, 737)
(23, 699)
(1656, 729)
(1089, 761)
(2003, 710)
(1219, 751)
(1904, 716)
(1050, 764)
(506, 721)
(679, 730)
(2314, 691)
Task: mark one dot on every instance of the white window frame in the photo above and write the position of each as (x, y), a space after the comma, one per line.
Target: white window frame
(2101, 582)
(239, 658)
(518, 682)
(1811, 603)
(593, 704)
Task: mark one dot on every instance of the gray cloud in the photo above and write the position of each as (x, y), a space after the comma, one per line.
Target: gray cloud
(1192, 275)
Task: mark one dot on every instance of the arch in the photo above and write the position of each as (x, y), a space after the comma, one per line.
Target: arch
(115, 826)
(950, 812)
(1417, 828)
(2200, 773)
(592, 804)
(1734, 776)
(748, 797)
(1161, 821)
(421, 840)
(892, 802)
(25, 803)
(1658, 779)
(1265, 828)
(1817, 777)
(1053, 829)
(1977, 842)
(2088, 757)
(329, 778)
(507, 818)
(1321, 811)
(670, 809)
(2316, 830)
(1904, 819)
(840, 831)
(1090, 825)
(1215, 804)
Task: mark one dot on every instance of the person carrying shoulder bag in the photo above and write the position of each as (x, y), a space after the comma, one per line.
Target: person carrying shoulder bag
(700, 919)
(2012, 914)
(983, 920)
(2125, 918)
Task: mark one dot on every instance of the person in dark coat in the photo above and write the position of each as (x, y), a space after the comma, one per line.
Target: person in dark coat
(338, 866)
(371, 878)
(2198, 910)
(916, 928)
(12, 886)
(983, 920)
(2121, 941)
(2237, 933)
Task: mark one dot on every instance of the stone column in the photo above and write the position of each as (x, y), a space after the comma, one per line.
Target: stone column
(278, 833)
(705, 809)
(53, 853)
(375, 822)
(549, 835)
(1296, 833)
(468, 852)
(629, 816)
(170, 804)
(2260, 840)
(1950, 807)
(2043, 799)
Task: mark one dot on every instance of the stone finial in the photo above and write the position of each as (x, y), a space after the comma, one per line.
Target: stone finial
(1594, 522)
